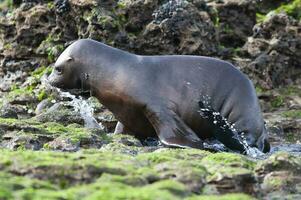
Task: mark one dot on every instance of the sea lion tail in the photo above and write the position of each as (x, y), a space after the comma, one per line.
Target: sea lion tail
(223, 131)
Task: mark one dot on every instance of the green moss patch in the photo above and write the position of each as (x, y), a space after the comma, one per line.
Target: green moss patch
(293, 9)
(296, 114)
(223, 197)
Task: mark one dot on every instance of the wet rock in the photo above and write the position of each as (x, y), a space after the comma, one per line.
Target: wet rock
(280, 161)
(280, 174)
(282, 128)
(23, 31)
(60, 113)
(107, 119)
(43, 106)
(22, 99)
(20, 110)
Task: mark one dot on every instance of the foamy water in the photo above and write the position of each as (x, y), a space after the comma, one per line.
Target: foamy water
(79, 105)
(82, 106)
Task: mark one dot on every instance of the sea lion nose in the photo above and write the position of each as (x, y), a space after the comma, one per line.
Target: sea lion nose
(51, 79)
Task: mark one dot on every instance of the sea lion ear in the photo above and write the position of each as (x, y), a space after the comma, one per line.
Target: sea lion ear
(69, 58)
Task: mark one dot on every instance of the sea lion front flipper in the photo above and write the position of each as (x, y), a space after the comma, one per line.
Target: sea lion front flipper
(119, 128)
(171, 129)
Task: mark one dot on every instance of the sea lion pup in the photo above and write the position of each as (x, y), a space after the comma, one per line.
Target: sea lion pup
(177, 98)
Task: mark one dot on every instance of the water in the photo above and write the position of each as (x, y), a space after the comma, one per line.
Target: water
(226, 128)
(79, 105)
(82, 106)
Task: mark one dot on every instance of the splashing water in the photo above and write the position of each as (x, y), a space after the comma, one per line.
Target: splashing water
(218, 120)
(86, 111)
(79, 104)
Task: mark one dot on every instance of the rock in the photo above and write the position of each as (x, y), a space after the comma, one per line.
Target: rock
(16, 140)
(234, 20)
(179, 27)
(284, 127)
(280, 175)
(62, 6)
(8, 112)
(124, 144)
(138, 12)
(265, 6)
(192, 177)
(43, 106)
(60, 113)
(107, 119)
(273, 49)
(233, 175)
(62, 144)
(31, 134)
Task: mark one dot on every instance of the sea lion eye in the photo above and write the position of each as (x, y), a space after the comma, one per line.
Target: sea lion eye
(59, 70)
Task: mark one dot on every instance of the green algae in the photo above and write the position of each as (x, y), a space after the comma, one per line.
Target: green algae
(223, 197)
(277, 102)
(296, 114)
(64, 166)
(290, 90)
(275, 182)
(103, 174)
(29, 125)
(260, 17)
(292, 9)
(229, 159)
(32, 89)
(164, 155)
(52, 47)
(73, 132)
(160, 190)
(227, 164)
(6, 4)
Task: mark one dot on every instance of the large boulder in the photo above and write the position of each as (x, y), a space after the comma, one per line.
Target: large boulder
(273, 51)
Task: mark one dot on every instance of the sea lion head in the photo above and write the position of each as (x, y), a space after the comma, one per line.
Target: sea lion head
(67, 72)
(262, 142)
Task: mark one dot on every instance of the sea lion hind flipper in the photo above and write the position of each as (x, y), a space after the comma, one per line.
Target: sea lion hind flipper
(171, 130)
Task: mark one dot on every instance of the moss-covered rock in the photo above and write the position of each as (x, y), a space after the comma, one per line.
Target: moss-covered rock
(162, 174)
(32, 134)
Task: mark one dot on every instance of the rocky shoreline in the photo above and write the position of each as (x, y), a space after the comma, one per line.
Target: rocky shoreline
(47, 153)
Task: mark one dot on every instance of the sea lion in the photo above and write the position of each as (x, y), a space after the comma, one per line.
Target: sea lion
(174, 97)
